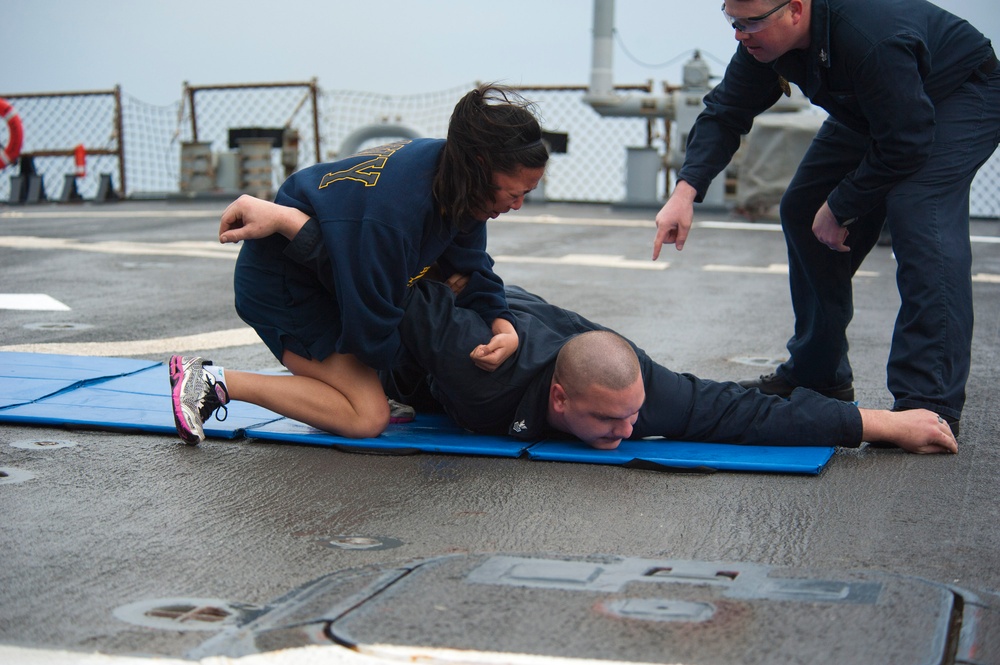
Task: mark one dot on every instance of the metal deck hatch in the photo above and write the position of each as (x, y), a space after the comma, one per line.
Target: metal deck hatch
(627, 609)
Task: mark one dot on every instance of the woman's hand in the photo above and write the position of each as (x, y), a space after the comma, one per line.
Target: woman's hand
(249, 218)
(457, 282)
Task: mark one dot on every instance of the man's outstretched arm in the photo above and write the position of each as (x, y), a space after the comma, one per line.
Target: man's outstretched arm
(915, 431)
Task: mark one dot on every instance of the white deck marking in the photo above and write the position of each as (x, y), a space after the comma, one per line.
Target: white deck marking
(246, 336)
(201, 249)
(220, 339)
(112, 214)
(366, 654)
(588, 260)
(31, 301)
(739, 226)
(772, 269)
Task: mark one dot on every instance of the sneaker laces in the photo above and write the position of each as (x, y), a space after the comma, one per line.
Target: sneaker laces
(215, 399)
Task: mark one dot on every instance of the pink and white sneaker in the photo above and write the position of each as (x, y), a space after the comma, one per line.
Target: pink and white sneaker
(196, 394)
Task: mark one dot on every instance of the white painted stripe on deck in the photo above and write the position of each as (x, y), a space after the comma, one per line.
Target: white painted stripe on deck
(111, 214)
(200, 249)
(577, 221)
(219, 339)
(392, 653)
(738, 226)
(770, 227)
(375, 654)
(772, 269)
(632, 223)
(38, 302)
(586, 260)
(986, 277)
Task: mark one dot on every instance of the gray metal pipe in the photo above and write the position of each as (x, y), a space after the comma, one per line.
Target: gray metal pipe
(601, 58)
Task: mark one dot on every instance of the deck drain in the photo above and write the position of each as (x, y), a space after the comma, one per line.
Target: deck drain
(361, 543)
(10, 476)
(49, 444)
(757, 361)
(184, 613)
(65, 325)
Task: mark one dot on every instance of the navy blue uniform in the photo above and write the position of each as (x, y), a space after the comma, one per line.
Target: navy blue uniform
(381, 229)
(436, 370)
(914, 110)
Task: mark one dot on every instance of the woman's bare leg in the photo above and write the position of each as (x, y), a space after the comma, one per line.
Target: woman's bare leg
(340, 395)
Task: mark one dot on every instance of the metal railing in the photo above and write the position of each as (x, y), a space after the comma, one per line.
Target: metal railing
(139, 145)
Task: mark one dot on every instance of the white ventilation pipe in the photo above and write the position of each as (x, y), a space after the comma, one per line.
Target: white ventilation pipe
(601, 94)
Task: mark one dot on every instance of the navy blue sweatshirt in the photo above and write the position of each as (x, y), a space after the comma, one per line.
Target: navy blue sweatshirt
(382, 230)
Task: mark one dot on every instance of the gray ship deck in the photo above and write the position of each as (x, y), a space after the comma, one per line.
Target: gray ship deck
(112, 536)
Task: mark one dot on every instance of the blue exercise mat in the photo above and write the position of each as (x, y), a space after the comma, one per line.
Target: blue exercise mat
(120, 394)
(123, 394)
(138, 402)
(429, 433)
(26, 377)
(665, 455)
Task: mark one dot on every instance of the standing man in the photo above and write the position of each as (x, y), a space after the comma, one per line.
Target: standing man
(913, 96)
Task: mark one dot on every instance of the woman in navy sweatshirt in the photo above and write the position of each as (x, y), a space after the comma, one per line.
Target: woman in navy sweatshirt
(385, 216)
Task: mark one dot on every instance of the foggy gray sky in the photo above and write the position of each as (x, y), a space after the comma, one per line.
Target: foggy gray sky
(391, 46)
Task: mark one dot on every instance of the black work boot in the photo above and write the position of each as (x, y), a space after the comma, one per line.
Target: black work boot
(773, 384)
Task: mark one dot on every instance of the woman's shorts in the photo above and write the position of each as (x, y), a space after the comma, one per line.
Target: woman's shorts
(285, 303)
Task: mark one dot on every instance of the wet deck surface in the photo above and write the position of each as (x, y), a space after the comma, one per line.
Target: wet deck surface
(109, 520)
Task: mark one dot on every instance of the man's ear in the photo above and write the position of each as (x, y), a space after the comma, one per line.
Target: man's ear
(557, 397)
(795, 7)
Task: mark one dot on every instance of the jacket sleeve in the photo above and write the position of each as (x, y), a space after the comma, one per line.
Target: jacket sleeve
(889, 90)
(369, 276)
(683, 407)
(747, 89)
(366, 282)
(307, 249)
(484, 294)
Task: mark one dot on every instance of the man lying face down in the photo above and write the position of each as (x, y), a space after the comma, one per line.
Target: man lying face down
(574, 377)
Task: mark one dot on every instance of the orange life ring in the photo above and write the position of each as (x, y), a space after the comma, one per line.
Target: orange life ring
(13, 148)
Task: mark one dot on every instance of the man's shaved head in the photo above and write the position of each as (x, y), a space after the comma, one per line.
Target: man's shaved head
(598, 357)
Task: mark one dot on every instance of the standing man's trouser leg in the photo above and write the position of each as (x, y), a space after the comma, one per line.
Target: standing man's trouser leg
(928, 216)
(932, 340)
(820, 278)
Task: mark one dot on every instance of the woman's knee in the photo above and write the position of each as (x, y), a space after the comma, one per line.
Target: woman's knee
(373, 420)
(365, 410)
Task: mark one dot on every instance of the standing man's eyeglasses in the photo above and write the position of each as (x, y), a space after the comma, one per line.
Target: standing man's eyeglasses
(751, 23)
